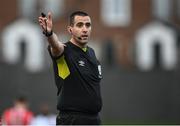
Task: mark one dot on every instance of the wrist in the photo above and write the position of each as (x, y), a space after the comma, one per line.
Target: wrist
(48, 34)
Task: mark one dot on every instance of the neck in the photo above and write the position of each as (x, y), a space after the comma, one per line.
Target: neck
(78, 43)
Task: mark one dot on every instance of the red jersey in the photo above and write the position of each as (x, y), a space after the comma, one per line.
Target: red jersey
(14, 116)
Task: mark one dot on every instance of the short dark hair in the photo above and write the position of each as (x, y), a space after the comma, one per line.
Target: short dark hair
(76, 13)
(21, 99)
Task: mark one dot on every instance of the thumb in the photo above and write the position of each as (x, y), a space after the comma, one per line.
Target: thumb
(49, 16)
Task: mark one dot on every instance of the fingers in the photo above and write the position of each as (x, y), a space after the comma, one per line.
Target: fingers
(42, 19)
(49, 16)
(46, 22)
(42, 22)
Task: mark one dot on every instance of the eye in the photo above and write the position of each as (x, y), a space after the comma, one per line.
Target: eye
(80, 24)
(88, 24)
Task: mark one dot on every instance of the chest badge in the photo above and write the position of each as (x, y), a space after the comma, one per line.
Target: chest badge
(81, 63)
(99, 69)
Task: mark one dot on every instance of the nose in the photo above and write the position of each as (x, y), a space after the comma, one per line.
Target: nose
(85, 29)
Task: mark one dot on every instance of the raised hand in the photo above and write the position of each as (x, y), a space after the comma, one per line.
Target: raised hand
(46, 23)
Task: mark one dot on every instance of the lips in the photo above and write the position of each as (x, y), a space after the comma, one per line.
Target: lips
(84, 35)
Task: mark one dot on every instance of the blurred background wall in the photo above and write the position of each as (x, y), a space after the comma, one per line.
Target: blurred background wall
(137, 42)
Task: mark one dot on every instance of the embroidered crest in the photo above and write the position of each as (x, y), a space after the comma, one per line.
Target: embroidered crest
(81, 63)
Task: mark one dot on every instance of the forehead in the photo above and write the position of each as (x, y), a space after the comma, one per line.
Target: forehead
(81, 19)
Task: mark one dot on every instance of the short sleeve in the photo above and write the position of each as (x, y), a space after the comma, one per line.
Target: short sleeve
(50, 53)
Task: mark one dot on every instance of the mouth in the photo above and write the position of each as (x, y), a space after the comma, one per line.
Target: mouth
(84, 36)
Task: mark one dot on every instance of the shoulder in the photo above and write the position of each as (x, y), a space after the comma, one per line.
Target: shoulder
(67, 46)
(57, 57)
(91, 51)
(68, 43)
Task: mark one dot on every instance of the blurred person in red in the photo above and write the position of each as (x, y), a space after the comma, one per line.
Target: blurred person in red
(19, 114)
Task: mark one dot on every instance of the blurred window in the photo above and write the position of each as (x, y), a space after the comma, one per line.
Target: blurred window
(55, 6)
(31, 8)
(27, 8)
(162, 9)
(178, 8)
(116, 12)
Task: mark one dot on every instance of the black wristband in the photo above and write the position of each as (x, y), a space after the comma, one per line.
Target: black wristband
(48, 34)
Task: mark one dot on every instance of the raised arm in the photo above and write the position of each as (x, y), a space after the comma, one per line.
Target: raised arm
(46, 24)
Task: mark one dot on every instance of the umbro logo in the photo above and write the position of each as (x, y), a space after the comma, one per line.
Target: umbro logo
(81, 63)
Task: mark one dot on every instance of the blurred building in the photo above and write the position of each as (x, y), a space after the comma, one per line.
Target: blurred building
(137, 42)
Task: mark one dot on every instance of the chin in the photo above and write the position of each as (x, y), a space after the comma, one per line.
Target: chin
(83, 41)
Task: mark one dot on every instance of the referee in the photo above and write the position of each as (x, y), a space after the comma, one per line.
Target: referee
(77, 71)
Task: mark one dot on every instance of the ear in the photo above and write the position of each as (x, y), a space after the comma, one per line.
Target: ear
(69, 29)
